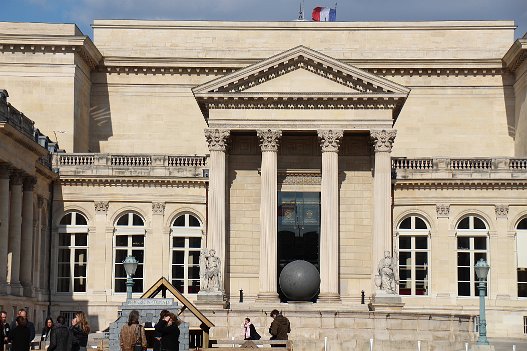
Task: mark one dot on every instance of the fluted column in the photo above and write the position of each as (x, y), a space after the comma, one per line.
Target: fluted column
(269, 140)
(382, 196)
(329, 226)
(15, 233)
(26, 250)
(217, 140)
(4, 226)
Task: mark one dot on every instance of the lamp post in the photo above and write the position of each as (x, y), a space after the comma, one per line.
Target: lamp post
(482, 270)
(130, 265)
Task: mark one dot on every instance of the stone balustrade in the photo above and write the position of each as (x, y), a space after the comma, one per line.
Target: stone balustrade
(130, 165)
(459, 168)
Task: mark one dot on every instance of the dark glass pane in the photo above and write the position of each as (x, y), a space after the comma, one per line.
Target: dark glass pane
(421, 258)
(193, 287)
(121, 240)
(137, 221)
(405, 242)
(119, 271)
(178, 271)
(178, 257)
(405, 288)
(419, 223)
(139, 272)
(193, 221)
(405, 274)
(80, 219)
(480, 243)
(522, 290)
(178, 242)
(480, 255)
(64, 239)
(194, 242)
(406, 223)
(64, 255)
(81, 255)
(463, 274)
(79, 285)
(464, 224)
(139, 255)
(463, 259)
(120, 255)
(79, 271)
(479, 224)
(120, 285)
(179, 222)
(421, 242)
(63, 284)
(193, 257)
(66, 220)
(522, 224)
(522, 275)
(420, 288)
(193, 272)
(178, 284)
(138, 286)
(463, 243)
(81, 239)
(405, 259)
(421, 273)
(123, 220)
(138, 240)
(64, 270)
(463, 289)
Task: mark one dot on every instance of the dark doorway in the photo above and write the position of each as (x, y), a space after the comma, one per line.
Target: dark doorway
(298, 229)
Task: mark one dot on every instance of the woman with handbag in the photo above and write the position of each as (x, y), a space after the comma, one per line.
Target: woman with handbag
(133, 336)
(168, 328)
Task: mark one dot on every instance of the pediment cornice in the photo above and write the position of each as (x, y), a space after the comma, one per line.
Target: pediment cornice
(516, 55)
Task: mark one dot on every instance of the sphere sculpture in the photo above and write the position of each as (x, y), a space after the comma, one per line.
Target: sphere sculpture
(299, 281)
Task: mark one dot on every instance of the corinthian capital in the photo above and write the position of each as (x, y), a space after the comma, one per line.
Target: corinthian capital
(330, 139)
(269, 139)
(217, 138)
(101, 206)
(383, 139)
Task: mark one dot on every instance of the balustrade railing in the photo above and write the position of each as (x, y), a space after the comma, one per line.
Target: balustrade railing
(187, 161)
(470, 164)
(75, 159)
(130, 161)
(415, 163)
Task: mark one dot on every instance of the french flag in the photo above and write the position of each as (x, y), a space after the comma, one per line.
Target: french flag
(324, 14)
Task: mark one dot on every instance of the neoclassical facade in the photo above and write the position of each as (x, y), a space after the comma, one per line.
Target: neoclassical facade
(271, 142)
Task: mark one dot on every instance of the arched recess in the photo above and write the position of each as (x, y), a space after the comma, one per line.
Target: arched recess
(521, 256)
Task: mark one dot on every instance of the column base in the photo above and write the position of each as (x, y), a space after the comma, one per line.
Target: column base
(16, 289)
(3, 288)
(329, 298)
(27, 290)
(267, 297)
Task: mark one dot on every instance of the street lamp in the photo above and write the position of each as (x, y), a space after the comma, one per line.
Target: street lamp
(482, 270)
(130, 265)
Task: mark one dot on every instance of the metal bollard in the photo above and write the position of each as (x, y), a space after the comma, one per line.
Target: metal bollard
(241, 295)
(362, 297)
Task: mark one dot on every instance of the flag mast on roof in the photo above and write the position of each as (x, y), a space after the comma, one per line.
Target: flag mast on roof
(301, 12)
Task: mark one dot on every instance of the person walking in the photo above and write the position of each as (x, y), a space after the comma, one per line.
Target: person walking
(23, 313)
(80, 330)
(168, 327)
(46, 331)
(249, 331)
(133, 337)
(19, 336)
(157, 335)
(61, 338)
(4, 330)
(280, 327)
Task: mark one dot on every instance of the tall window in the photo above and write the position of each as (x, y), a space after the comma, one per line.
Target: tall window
(72, 253)
(414, 253)
(186, 245)
(472, 245)
(129, 241)
(521, 257)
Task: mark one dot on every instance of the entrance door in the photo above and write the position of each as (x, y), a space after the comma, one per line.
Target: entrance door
(298, 229)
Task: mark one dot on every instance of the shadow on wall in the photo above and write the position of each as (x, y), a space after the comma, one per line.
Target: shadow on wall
(508, 93)
(100, 112)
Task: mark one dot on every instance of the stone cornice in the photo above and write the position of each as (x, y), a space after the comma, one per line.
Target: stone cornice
(516, 55)
(134, 182)
(460, 184)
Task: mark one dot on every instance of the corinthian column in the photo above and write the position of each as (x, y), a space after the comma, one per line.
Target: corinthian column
(4, 226)
(329, 228)
(269, 140)
(15, 233)
(382, 195)
(217, 140)
(26, 250)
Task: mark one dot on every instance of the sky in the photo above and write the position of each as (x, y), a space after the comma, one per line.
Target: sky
(83, 12)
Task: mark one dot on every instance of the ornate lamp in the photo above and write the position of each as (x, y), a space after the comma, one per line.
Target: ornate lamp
(482, 270)
(130, 266)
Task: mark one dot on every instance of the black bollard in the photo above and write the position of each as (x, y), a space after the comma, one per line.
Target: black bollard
(362, 297)
(241, 295)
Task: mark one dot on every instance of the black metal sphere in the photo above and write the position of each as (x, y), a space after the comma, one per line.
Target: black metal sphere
(299, 281)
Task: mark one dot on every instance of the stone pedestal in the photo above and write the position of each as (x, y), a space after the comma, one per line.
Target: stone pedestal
(210, 298)
(386, 302)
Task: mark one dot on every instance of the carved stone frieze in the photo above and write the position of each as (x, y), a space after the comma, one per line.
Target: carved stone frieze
(29, 183)
(217, 138)
(158, 208)
(330, 139)
(383, 139)
(299, 178)
(502, 211)
(443, 211)
(269, 139)
(17, 178)
(101, 206)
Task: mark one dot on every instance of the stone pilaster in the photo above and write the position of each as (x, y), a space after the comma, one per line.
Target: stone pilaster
(37, 256)
(4, 226)
(329, 229)
(217, 140)
(15, 234)
(501, 270)
(26, 250)
(269, 141)
(382, 196)
(157, 241)
(100, 282)
(443, 265)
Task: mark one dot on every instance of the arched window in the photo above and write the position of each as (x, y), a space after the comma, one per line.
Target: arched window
(186, 233)
(72, 253)
(413, 248)
(129, 240)
(521, 257)
(472, 245)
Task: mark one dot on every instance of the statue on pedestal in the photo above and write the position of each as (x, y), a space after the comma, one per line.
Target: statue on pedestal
(387, 278)
(210, 271)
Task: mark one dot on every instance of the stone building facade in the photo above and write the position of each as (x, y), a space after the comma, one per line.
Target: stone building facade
(275, 141)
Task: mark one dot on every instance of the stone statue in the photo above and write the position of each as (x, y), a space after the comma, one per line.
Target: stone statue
(387, 278)
(210, 271)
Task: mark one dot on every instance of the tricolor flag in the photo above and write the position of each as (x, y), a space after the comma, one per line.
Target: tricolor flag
(324, 14)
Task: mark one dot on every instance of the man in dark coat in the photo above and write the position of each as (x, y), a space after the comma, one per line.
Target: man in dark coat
(61, 338)
(280, 327)
(22, 313)
(4, 329)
